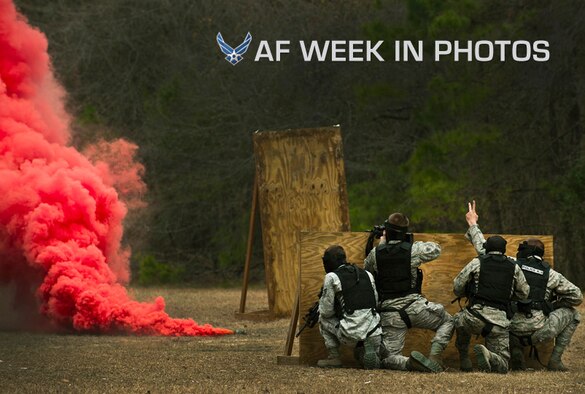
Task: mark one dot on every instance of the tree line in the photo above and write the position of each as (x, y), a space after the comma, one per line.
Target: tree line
(419, 137)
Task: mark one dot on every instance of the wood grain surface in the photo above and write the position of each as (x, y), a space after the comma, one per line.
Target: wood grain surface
(437, 286)
(301, 183)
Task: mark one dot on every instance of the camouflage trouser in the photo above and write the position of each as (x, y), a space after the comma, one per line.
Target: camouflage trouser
(329, 329)
(431, 316)
(497, 341)
(559, 325)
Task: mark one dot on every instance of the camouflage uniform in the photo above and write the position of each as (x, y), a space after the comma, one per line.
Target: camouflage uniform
(560, 323)
(422, 313)
(466, 324)
(350, 329)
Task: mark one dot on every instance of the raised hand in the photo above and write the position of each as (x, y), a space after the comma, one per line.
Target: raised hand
(471, 216)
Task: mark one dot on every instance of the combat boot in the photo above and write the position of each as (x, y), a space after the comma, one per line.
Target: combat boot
(555, 363)
(371, 358)
(483, 358)
(358, 352)
(332, 361)
(418, 362)
(436, 355)
(465, 363)
(517, 362)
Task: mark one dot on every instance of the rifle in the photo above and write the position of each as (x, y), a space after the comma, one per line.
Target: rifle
(311, 317)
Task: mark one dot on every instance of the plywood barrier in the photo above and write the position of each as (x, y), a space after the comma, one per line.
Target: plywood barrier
(301, 184)
(437, 287)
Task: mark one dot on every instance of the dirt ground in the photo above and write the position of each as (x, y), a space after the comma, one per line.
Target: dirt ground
(35, 362)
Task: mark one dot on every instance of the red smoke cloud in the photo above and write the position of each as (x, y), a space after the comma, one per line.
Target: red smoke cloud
(60, 215)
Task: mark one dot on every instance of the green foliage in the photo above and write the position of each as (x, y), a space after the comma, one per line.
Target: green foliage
(230, 244)
(366, 94)
(450, 100)
(441, 170)
(570, 192)
(164, 99)
(420, 12)
(448, 24)
(370, 202)
(153, 272)
(441, 19)
(88, 115)
(232, 256)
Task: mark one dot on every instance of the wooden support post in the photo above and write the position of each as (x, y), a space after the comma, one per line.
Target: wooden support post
(287, 358)
(249, 246)
(294, 319)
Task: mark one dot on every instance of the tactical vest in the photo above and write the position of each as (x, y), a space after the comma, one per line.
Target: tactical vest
(356, 287)
(536, 273)
(394, 273)
(496, 281)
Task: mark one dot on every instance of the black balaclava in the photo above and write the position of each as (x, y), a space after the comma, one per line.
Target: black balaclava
(394, 232)
(525, 250)
(495, 243)
(333, 258)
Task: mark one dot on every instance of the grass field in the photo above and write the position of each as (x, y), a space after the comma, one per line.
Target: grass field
(33, 362)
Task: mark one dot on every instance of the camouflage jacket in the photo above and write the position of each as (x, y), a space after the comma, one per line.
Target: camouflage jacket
(557, 286)
(422, 252)
(356, 325)
(520, 290)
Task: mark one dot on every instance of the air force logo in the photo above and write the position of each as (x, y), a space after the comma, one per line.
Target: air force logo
(234, 56)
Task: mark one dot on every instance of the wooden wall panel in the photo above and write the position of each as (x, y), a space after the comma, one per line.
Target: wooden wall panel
(437, 286)
(301, 180)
